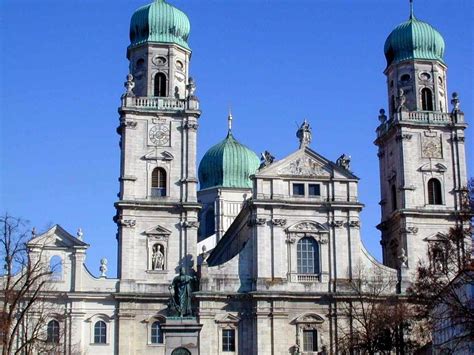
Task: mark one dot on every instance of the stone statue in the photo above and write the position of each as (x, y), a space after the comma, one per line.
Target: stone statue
(182, 286)
(157, 258)
(191, 87)
(103, 267)
(79, 233)
(382, 116)
(304, 134)
(403, 258)
(455, 102)
(266, 159)
(344, 161)
(401, 101)
(129, 85)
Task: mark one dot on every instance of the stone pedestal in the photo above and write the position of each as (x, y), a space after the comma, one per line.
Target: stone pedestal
(181, 333)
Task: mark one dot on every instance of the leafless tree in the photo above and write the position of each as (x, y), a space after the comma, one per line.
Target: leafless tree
(439, 288)
(376, 319)
(25, 293)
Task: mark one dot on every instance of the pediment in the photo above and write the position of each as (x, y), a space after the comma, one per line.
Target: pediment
(228, 318)
(428, 167)
(157, 231)
(57, 238)
(154, 155)
(307, 227)
(305, 163)
(438, 237)
(308, 318)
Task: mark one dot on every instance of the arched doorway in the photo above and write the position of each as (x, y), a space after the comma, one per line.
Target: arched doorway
(181, 351)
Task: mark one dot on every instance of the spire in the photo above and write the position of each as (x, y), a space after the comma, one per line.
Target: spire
(412, 12)
(229, 120)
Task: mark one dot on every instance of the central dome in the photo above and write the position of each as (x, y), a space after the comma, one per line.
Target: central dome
(228, 164)
(414, 39)
(159, 22)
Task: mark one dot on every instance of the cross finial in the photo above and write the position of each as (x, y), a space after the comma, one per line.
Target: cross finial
(229, 119)
(412, 12)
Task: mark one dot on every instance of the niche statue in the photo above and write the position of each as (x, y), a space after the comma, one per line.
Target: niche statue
(182, 287)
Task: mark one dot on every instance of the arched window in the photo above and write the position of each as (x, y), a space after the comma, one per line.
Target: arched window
(52, 332)
(392, 104)
(100, 332)
(140, 64)
(210, 222)
(156, 333)
(394, 197)
(308, 256)
(158, 182)
(426, 100)
(56, 267)
(160, 85)
(434, 192)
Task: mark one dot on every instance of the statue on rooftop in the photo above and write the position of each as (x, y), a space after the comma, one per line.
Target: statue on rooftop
(129, 85)
(304, 134)
(266, 159)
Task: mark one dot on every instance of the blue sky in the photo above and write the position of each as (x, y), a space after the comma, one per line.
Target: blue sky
(276, 62)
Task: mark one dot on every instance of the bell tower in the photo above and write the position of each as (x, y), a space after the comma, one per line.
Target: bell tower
(157, 210)
(421, 146)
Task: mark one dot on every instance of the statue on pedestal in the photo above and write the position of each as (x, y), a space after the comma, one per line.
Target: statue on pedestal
(182, 286)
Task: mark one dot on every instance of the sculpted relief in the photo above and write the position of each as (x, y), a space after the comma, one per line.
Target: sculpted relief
(431, 147)
(304, 166)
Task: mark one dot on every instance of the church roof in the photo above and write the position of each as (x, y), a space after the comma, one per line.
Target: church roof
(228, 164)
(159, 22)
(414, 39)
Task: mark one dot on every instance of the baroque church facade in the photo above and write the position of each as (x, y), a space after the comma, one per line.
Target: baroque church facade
(273, 242)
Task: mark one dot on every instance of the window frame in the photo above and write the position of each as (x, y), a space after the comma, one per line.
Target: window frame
(228, 341)
(53, 338)
(316, 256)
(434, 189)
(162, 183)
(314, 337)
(427, 103)
(299, 184)
(162, 91)
(160, 334)
(318, 188)
(104, 334)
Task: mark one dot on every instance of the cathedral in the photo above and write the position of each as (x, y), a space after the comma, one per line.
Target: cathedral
(272, 243)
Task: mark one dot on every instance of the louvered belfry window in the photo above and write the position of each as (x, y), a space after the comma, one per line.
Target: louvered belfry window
(434, 192)
(158, 182)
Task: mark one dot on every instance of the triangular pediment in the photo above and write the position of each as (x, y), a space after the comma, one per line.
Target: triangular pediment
(228, 318)
(308, 318)
(438, 237)
(155, 155)
(304, 163)
(57, 238)
(307, 227)
(158, 231)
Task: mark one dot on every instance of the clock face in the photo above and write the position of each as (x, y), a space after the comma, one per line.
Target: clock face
(159, 134)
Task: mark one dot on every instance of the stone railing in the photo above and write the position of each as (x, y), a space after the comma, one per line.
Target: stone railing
(305, 278)
(428, 117)
(154, 103)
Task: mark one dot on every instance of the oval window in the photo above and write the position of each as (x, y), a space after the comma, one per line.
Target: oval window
(405, 77)
(425, 76)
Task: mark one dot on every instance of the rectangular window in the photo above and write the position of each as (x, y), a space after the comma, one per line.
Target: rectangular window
(314, 190)
(298, 189)
(310, 340)
(228, 340)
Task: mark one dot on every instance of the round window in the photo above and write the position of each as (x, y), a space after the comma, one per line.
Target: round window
(405, 77)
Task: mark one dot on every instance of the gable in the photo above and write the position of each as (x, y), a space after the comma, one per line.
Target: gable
(305, 163)
(57, 238)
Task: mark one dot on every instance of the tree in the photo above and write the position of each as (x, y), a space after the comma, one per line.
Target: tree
(441, 287)
(25, 293)
(376, 319)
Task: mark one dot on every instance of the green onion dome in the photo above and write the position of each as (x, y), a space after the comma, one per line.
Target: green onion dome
(414, 39)
(228, 164)
(159, 22)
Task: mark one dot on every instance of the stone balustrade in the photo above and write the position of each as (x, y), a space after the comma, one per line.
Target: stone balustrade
(154, 103)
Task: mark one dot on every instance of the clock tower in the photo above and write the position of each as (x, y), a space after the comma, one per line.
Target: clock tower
(157, 208)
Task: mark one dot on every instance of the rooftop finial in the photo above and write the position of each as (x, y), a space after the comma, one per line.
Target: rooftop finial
(229, 119)
(412, 13)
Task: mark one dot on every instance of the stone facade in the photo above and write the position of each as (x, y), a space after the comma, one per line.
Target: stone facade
(273, 260)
